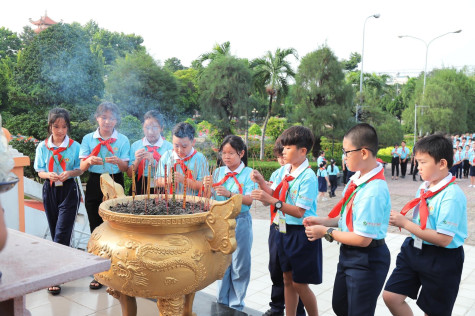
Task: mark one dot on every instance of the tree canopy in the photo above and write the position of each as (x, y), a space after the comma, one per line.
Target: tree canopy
(58, 67)
(225, 87)
(136, 83)
(323, 96)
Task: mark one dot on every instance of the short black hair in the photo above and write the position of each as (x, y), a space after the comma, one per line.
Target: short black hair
(183, 129)
(363, 136)
(299, 136)
(437, 146)
(278, 148)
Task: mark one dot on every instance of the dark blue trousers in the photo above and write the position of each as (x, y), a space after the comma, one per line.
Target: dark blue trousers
(360, 277)
(61, 205)
(94, 197)
(277, 297)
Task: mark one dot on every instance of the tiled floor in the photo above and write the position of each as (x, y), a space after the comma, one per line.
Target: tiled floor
(77, 300)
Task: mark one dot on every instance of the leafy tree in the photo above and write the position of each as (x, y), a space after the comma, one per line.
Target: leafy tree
(10, 43)
(352, 63)
(225, 86)
(218, 51)
(188, 90)
(173, 64)
(27, 36)
(58, 67)
(137, 84)
(387, 126)
(272, 73)
(112, 45)
(448, 103)
(323, 96)
(131, 127)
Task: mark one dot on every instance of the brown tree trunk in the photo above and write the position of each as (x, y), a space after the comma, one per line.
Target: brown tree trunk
(264, 127)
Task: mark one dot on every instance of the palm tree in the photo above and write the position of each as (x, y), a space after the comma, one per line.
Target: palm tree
(271, 75)
(218, 50)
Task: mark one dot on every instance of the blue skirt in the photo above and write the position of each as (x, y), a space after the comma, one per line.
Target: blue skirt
(322, 184)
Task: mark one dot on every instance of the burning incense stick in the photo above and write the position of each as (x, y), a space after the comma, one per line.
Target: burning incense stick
(173, 184)
(133, 185)
(185, 182)
(148, 181)
(166, 185)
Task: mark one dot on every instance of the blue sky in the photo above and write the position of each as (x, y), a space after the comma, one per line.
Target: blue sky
(186, 29)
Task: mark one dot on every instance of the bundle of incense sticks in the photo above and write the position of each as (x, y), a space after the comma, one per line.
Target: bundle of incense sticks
(166, 186)
(185, 182)
(149, 173)
(173, 184)
(133, 185)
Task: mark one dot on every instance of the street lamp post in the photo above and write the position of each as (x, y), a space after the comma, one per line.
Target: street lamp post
(377, 15)
(254, 112)
(427, 44)
(415, 119)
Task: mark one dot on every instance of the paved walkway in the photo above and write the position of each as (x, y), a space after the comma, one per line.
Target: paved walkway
(76, 298)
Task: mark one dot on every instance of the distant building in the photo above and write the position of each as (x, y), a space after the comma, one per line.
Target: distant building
(43, 23)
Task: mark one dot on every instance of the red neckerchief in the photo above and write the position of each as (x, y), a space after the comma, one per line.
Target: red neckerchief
(226, 177)
(156, 157)
(280, 194)
(102, 142)
(348, 198)
(422, 199)
(184, 168)
(56, 152)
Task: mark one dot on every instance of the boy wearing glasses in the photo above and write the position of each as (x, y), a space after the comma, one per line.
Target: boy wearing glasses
(362, 218)
(186, 163)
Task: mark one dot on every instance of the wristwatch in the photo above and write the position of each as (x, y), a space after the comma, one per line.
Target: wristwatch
(328, 235)
(278, 205)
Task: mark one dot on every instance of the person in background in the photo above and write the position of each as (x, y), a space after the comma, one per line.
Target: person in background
(323, 181)
(333, 171)
(321, 157)
(395, 159)
(404, 155)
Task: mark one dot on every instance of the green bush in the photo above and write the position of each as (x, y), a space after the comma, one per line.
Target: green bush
(255, 130)
(254, 149)
(27, 148)
(327, 144)
(132, 128)
(275, 127)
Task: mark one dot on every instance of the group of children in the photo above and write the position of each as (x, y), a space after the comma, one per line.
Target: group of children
(464, 157)
(362, 216)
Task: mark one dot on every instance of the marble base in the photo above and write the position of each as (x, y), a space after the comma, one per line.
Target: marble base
(206, 305)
